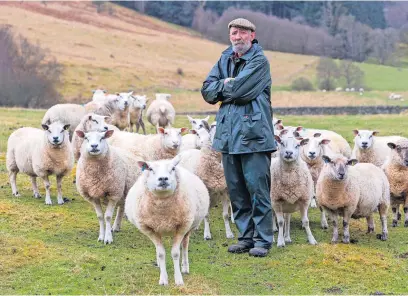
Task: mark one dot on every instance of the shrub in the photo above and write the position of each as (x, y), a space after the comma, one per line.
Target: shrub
(302, 84)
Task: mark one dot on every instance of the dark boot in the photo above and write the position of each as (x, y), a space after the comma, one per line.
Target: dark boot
(239, 248)
(258, 252)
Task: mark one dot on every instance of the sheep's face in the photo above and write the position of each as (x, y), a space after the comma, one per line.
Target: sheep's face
(171, 137)
(122, 100)
(203, 137)
(213, 129)
(364, 138)
(400, 151)
(95, 141)
(95, 122)
(56, 132)
(160, 96)
(337, 167)
(138, 102)
(161, 177)
(196, 123)
(289, 147)
(315, 148)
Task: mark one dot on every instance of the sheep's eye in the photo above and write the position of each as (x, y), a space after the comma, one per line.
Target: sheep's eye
(173, 169)
(194, 121)
(86, 138)
(150, 169)
(297, 146)
(62, 131)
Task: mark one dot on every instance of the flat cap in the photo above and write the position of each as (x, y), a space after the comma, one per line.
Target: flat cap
(242, 23)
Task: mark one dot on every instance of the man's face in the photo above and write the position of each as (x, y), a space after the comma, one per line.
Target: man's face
(241, 39)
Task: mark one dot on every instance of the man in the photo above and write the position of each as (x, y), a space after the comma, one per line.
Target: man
(241, 82)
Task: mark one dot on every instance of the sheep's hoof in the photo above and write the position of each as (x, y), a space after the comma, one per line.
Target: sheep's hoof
(16, 194)
(399, 216)
(100, 238)
(36, 195)
(313, 242)
(394, 223)
(383, 236)
(207, 237)
(406, 223)
(346, 240)
(325, 227)
(48, 202)
(230, 235)
(370, 230)
(288, 240)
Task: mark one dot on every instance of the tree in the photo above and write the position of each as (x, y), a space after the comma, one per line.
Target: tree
(327, 74)
(384, 43)
(352, 74)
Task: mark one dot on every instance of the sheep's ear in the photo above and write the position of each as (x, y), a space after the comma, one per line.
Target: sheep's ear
(130, 93)
(326, 159)
(352, 162)
(45, 127)
(93, 91)
(90, 117)
(280, 127)
(66, 127)
(175, 161)
(183, 130)
(355, 132)
(143, 165)
(278, 139)
(193, 131)
(80, 134)
(304, 142)
(105, 91)
(324, 142)
(279, 121)
(391, 145)
(283, 132)
(160, 130)
(316, 135)
(296, 134)
(207, 118)
(375, 133)
(118, 94)
(108, 134)
(299, 128)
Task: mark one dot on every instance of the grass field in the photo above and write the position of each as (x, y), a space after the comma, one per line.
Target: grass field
(53, 249)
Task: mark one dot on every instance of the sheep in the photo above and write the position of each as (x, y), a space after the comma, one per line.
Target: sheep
(206, 164)
(347, 89)
(213, 129)
(117, 108)
(394, 96)
(396, 170)
(67, 114)
(161, 112)
(353, 190)
(368, 148)
(40, 153)
(166, 144)
(192, 140)
(99, 95)
(291, 187)
(90, 122)
(196, 123)
(352, 89)
(105, 173)
(361, 89)
(167, 200)
(338, 144)
(136, 106)
(339, 89)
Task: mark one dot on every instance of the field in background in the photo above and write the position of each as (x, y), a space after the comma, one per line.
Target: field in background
(53, 249)
(127, 50)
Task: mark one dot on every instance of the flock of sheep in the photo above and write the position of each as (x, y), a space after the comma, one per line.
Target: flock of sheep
(166, 183)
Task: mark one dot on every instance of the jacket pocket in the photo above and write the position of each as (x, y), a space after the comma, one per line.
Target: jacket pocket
(220, 126)
(252, 128)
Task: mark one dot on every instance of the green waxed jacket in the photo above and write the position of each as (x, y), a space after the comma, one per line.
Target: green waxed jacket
(244, 120)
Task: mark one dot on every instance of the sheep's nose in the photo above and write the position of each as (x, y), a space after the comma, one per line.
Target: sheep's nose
(94, 146)
(55, 139)
(312, 153)
(289, 153)
(163, 179)
(364, 143)
(126, 102)
(406, 162)
(106, 128)
(341, 175)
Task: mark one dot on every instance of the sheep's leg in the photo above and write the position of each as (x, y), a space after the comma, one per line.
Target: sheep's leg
(225, 216)
(406, 212)
(207, 231)
(346, 226)
(99, 215)
(108, 219)
(370, 224)
(13, 177)
(323, 220)
(185, 266)
(281, 222)
(59, 188)
(160, 256)
(274, 224)
(47, 190)
(232, 213)
(305, 223)
(286, 228)
(334, 218)
(395, 212)
(383, 209)
(175, 254)
(36, 194)
(313, 202)
(130, 127)
(119, 216)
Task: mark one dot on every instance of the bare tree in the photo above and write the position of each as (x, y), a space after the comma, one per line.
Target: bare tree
(327, 74)
(352, 74)
(384, 43)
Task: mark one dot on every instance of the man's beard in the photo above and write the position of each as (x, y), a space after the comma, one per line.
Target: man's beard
(241, 48)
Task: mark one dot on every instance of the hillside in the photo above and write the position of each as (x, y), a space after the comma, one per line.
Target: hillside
(125, 50)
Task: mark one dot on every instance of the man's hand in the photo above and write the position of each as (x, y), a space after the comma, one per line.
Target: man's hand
(228, 79)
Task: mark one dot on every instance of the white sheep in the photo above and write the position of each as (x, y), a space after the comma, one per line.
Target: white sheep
(291, 187)
(368, 148)
(40, 153)
(161, 112)
(90, 122)
(116, 108)
(164, 145)
(206, 164)
(394, 96)
(361, 89)
(105, 173)
(192, 140)
(136, 106)
(197, 123)
(338, 144)
(213, 129)
(339, 89)
(396, 170)
(99, 95)
(347, 89)
(67, 114)
(353, 191)
(168, 200)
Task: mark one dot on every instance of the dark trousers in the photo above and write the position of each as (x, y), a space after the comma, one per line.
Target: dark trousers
(249, 181)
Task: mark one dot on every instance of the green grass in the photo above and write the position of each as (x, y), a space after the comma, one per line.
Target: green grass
(53, 249)
(378, 77)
